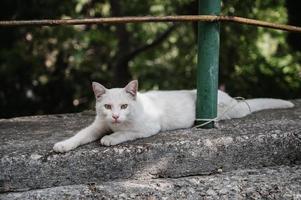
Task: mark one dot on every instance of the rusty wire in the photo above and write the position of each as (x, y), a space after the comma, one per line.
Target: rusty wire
(119, 20)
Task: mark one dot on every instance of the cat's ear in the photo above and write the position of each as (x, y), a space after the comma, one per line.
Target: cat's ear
(98, 90)
(132, 88)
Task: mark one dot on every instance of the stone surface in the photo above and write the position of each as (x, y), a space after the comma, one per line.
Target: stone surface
(280, 182)
(27, 162)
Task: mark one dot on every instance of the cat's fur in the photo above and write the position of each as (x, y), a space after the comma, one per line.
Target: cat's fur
(146, 114)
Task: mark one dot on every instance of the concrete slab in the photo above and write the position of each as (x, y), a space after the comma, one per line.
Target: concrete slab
(27, 162)
(279, 182)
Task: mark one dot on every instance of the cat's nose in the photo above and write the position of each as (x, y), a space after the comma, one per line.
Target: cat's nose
(115, 117)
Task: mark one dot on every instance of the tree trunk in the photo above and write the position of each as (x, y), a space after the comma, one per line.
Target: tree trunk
(121, 73)
(126, 52)
(294, 16)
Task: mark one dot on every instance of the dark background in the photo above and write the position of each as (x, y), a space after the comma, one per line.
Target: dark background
(47, 70)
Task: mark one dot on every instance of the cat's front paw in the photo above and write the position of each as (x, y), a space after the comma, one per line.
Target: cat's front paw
(109, 140)
(62, 147)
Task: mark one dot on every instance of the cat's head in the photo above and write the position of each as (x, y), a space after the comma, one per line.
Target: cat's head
(115, 105)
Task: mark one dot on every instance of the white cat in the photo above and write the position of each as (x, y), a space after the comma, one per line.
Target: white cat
(125, 114)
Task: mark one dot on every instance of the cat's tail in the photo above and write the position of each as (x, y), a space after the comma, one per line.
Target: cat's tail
(243, 108)
(265, 103)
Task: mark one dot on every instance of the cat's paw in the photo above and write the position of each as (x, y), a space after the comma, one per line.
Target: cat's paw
(109, 140)
(62, 147)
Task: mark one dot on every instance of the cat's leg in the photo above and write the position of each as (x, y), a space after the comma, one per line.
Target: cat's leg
(89, 134)
(123, 136)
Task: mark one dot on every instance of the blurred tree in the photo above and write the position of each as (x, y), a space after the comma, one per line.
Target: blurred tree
(294, 16)
(255, 60)
(50, 69)
(28, 86)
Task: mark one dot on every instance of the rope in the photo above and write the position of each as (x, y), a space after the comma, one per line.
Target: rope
(122, 20)
(231, 105)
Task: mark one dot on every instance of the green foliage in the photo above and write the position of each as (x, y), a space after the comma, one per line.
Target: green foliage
(258, 61)
(50, 69)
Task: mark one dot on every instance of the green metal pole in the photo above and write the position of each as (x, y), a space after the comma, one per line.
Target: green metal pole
(208, 62)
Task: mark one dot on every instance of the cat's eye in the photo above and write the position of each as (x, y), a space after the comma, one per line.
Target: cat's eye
(108, 106)
(123, 106)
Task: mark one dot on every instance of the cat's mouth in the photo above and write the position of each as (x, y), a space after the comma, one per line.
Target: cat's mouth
(116, 121)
